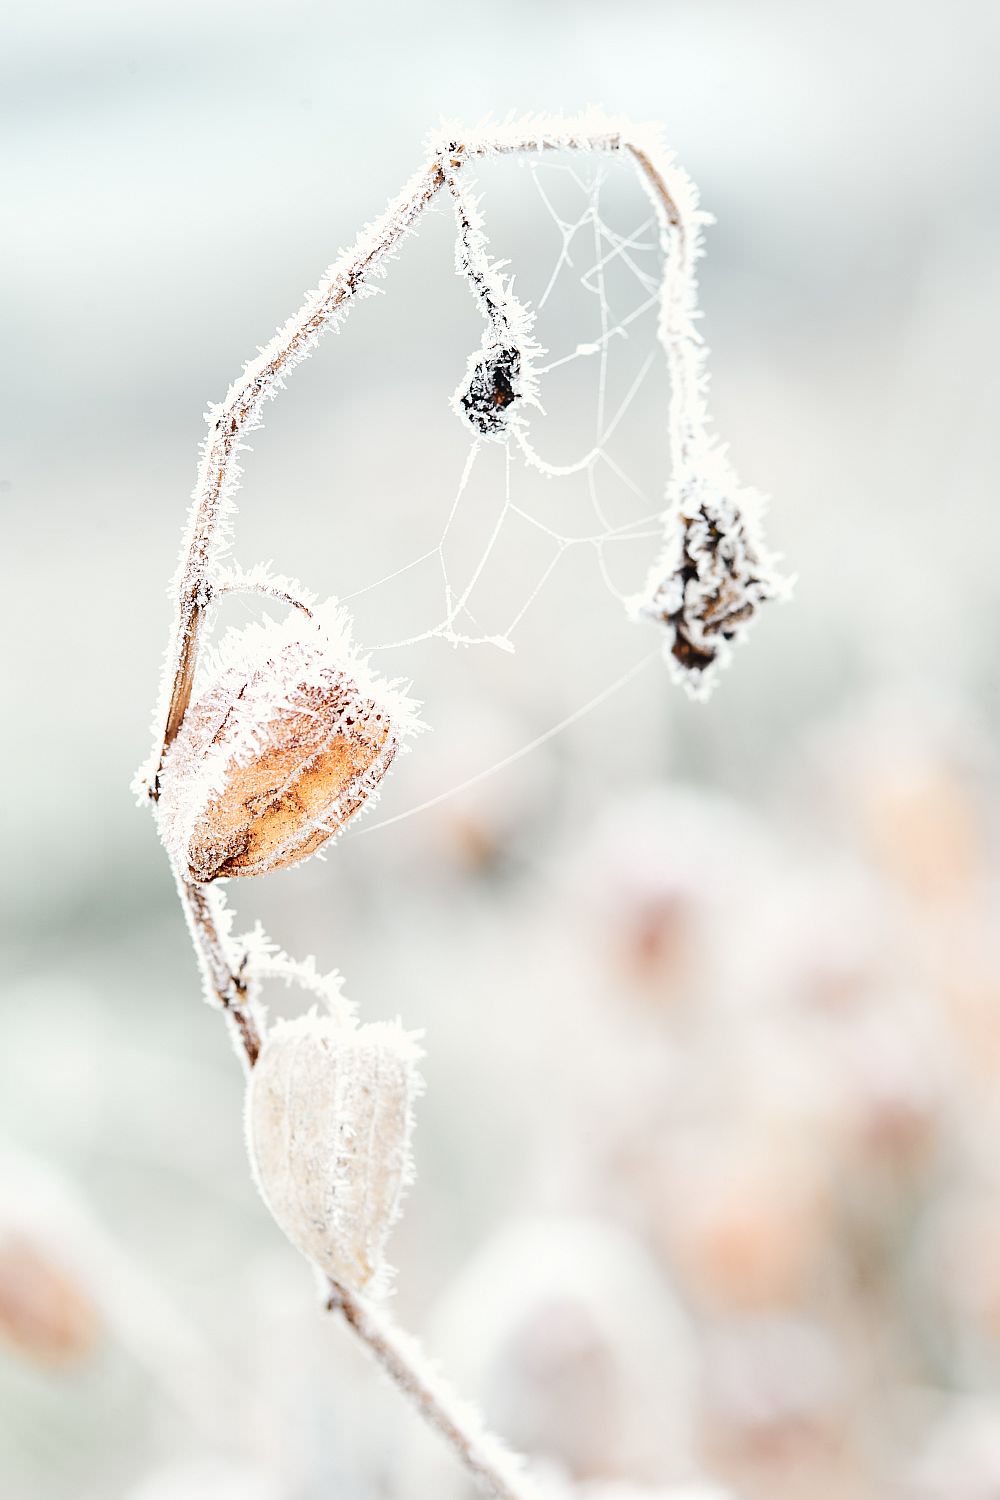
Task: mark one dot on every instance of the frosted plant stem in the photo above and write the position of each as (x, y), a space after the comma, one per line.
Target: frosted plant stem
(225, 986)
(241, 412)
(199, 581)
(497, 1471)
(218, 475)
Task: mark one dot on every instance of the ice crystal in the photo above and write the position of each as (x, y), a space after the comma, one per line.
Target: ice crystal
(259, 958)
(262, 579)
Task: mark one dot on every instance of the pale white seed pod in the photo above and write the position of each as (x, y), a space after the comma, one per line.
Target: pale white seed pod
(272, 760)
(329, 1120)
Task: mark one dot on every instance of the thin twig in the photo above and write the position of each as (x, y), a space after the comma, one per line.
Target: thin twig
(224, 982)
(495, 1468)
(240, 412)
(266, 591)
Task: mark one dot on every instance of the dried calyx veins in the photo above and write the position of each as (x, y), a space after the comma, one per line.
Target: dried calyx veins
(329, 1119)
(288, 740)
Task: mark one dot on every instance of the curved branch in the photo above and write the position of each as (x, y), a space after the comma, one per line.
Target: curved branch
(266, 591)
(218, 475)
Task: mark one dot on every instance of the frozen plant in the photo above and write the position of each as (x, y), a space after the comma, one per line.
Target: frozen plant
(265, 747)
(588, 1356)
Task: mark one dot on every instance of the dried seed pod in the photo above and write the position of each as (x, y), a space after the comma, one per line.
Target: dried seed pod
(491, 387)
(45, 1312)
(711, 586)
(274, 758)
(329, 1118)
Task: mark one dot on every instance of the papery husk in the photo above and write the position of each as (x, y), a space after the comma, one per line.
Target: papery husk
(270, 764)
(329, 1118)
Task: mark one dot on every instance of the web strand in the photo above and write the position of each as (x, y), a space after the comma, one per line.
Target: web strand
(588, 250)
(501, 765)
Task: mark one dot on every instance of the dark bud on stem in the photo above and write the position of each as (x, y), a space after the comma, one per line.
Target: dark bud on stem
(491, 389)
(714, 590)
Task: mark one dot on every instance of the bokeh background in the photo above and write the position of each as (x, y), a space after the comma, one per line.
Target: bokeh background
(708, 1191)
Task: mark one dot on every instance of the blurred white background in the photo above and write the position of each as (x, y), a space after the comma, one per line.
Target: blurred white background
(710, 993)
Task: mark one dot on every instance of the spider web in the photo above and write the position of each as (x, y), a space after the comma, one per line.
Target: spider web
(588, 248)
(569, 472)
(567, 481)
(567, 497)
(560, 432)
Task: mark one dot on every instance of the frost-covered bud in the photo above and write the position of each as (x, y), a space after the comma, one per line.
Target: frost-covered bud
(491, 387)
(329, 1119)
(274, 758)
(711, 586)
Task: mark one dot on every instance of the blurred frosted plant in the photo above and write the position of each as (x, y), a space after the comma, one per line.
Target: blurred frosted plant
(777, 1389)
(906, 776)
(207, 1479)
(747, 1225)
(960, 1458)
(70, 1293)
(468, 828)
(565, 1327)
(265, 749)
(46, 1313)
(821, 937)
(661, 875)
(959, 1261)
(615, 1491)
(921, 821)
(895, 1065)
(53, 1307)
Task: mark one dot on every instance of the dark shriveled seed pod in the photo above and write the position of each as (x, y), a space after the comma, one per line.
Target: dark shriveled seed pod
(491, 387)
(711, 585)
(271, 762)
